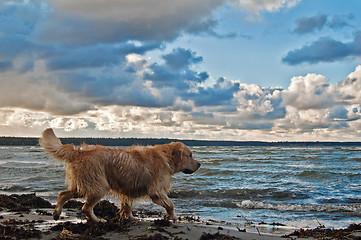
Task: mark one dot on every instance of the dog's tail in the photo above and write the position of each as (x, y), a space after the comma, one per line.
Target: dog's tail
(55, 148)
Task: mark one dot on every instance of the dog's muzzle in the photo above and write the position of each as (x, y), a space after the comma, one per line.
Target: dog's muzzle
(189, 171)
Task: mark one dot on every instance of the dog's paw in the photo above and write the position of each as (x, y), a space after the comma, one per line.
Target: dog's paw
(131, 219)
(56, 216)
(173, 218)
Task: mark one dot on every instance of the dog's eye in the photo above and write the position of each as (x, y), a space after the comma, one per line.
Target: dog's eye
(190, 155)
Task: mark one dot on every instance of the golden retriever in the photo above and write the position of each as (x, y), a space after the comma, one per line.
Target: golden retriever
(93, 171)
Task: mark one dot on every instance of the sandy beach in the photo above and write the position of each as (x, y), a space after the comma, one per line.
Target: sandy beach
(30, 217)
(70, 227)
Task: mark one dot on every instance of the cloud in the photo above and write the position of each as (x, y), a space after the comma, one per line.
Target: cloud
(309, 92)
(132, 10)
(56, 44)
(96, 56)
(309, 109)
(315, 106)
(324, 49)
(267, 5)
(19, 17)
(310, 24)
(350, 88)
(255, 102)
(340, 21)
(220, 94)
(176, 71)
(181, 58)
(154, 20)
(20, 47)
(36, 90)
(301, 121)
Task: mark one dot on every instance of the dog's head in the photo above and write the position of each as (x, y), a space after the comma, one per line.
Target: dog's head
(183, 159)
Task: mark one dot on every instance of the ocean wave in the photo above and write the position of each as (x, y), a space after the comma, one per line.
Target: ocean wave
(237, 194)
(295, 207)
(14, 188)
(311, 174)
(322, 175)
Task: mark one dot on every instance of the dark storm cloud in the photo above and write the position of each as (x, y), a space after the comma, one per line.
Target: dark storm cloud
(325, 49)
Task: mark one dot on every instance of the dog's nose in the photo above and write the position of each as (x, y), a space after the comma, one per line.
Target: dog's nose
(198, 165)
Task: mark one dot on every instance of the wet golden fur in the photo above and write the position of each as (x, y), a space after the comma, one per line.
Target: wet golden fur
(93, 171)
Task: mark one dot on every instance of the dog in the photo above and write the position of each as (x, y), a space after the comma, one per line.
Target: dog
(93, 171)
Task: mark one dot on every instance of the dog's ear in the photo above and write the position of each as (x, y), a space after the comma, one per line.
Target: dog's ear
(177, 153)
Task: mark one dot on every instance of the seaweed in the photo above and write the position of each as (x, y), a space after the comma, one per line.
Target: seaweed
(162, 223)
(75, 204)
(106, 209)
(156, 236)
(326, 233)
(87, 230)
(23, 203)
(216, 236)
(9, 229)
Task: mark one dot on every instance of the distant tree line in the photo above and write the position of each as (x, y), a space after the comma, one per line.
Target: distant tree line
(23, 141)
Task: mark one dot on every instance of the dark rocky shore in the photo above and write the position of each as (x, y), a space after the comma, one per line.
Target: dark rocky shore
(19, 227)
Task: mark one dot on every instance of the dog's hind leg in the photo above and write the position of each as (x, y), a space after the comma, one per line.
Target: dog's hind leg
(89, 204)
(63, 197)
(126, 207)
(164, 201)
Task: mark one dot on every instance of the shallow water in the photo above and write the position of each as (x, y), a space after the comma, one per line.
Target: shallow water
(295, 186)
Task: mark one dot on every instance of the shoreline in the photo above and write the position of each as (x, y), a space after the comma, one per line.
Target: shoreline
(30, 217)
(41, 226)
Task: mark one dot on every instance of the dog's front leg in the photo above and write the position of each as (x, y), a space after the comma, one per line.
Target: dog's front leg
(164, 201)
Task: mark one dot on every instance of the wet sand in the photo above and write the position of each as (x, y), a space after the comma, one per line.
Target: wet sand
(30, 217)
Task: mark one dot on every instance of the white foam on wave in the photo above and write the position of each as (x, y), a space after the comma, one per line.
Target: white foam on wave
(294, 207)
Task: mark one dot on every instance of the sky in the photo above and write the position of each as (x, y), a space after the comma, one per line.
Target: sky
(264, 70)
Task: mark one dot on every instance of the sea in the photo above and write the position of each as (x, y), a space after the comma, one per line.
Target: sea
(293, 187)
